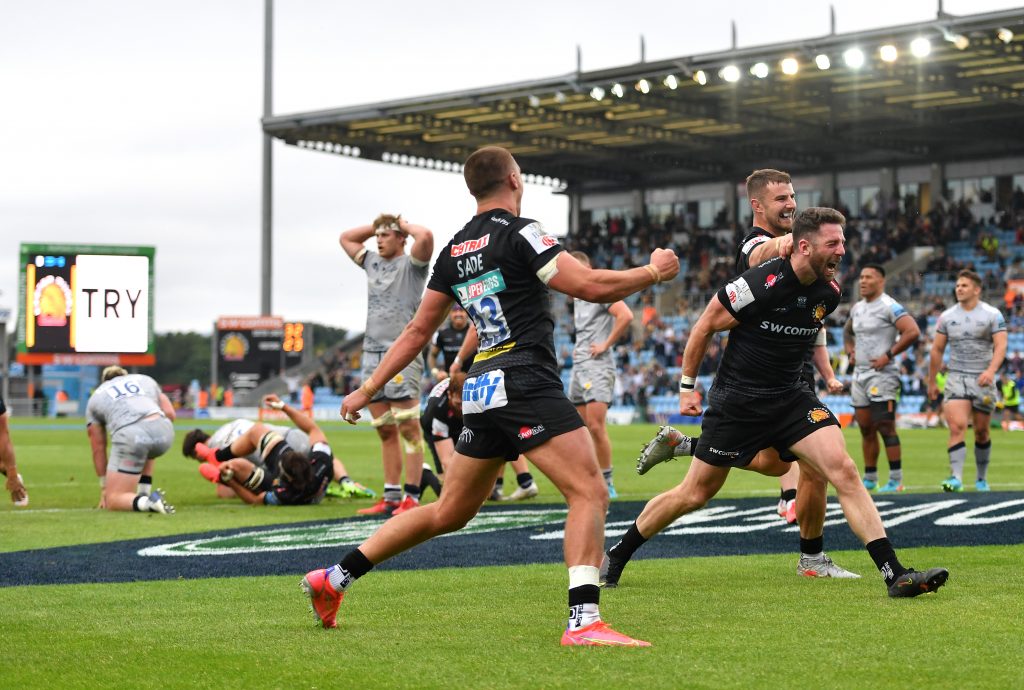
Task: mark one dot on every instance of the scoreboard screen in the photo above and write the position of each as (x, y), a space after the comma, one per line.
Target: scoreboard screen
(85, 304)
(249, 349)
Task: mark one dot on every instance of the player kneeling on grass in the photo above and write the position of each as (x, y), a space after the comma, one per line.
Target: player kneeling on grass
(288, 477)
(296, 439)
(139, 419)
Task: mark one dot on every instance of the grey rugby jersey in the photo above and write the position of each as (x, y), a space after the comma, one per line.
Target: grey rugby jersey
(874, 327)
(969, 335)
(122, 401)
(395, 291)
(593, 325)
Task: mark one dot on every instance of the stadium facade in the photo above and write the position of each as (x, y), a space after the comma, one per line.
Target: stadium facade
(929, 110)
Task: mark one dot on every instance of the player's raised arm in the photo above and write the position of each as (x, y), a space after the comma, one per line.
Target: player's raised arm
(410, 344)
(602, 285)
(352, 242)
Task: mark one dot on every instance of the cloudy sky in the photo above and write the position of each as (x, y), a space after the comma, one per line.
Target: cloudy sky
(127, 122)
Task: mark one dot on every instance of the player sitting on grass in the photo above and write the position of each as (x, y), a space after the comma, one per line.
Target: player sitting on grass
(288, 477)
(342, 486)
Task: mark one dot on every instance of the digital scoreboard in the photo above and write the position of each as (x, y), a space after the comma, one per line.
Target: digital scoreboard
(85, 304)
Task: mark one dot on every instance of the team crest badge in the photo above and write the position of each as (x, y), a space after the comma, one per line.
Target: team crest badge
(819, 311)
(398, 379)
(818, 414)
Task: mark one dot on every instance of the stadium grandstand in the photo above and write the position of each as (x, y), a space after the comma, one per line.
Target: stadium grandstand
(914, 132)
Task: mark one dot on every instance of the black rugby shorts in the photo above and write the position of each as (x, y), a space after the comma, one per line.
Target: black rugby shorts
(736, 426)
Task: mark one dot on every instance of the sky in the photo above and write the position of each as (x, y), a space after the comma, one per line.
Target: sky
(126, 122)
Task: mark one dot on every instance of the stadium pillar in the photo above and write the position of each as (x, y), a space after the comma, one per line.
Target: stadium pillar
(887, 185)
(575, 205)
(937, 185)
(828, 189)
(267, 234)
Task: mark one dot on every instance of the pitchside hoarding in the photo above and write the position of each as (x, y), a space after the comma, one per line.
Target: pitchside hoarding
(85, 304)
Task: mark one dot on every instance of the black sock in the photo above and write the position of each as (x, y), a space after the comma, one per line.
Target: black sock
(145, 485)
(524, 479)
(224, 454)
(789, 495)
(895, 465)
(412, 491)
(344, 478)
(356, 564)
(429, 479)
(135, 502)
(884, 556)
(499, 483)
(812, 547)
(584, 594)
(630, 542)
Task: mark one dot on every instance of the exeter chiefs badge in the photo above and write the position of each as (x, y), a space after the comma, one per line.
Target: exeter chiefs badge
(818, 414)
(818, 312)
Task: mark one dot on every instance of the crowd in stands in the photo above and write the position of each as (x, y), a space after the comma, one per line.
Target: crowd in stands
(981, 236)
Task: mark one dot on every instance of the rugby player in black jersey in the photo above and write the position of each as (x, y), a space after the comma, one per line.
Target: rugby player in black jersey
(441, 422)
(773, 313)
(499, 268)
(773, 203)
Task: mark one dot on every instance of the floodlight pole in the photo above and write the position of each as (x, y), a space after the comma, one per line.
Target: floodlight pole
(267, 233)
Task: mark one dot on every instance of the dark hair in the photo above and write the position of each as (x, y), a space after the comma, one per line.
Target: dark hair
(188, 447)
(810, 220)
(875, 267)
(759, 180)
(485, 170)
(296, 471)
(970, 275)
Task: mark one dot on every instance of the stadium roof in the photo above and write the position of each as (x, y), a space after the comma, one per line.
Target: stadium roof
(965, 98)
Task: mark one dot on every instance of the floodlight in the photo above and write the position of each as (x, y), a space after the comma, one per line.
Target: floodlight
(1004, 34)
(920, 47)
(888, 53)
(671, 82)
(854, 58)
(790, 66)
(701, 77)
(759, 70)
(597, 93)
(959, 40)
(617, 90)
(822, 61)
(643, 86)
(730, 73)
(559, 97)
(533, 101)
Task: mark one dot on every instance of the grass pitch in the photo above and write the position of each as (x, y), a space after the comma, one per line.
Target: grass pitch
(724, 622)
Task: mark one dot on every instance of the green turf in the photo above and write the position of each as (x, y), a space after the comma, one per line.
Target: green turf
(63, 490)
(715, 622)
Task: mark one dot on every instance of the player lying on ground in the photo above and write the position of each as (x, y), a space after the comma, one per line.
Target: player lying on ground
(287, 476)
(296, 439)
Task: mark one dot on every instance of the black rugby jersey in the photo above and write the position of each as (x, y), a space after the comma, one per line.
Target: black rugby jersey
(449, 340)
(439, 420)
(490, 267)
(754, 238)
(779, 321)
(322, 459)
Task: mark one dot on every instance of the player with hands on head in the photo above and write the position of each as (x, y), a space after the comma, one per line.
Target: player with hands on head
(394, 282)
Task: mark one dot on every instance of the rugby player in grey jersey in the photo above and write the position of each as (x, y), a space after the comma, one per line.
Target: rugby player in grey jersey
(395, 282)
(591, 388)
(878, 329)
(139, 419)
(976, 334)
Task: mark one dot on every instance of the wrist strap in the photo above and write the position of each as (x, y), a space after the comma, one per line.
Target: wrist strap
(687, 384)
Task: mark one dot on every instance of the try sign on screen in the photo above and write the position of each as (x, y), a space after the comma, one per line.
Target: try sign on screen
(85, 304)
